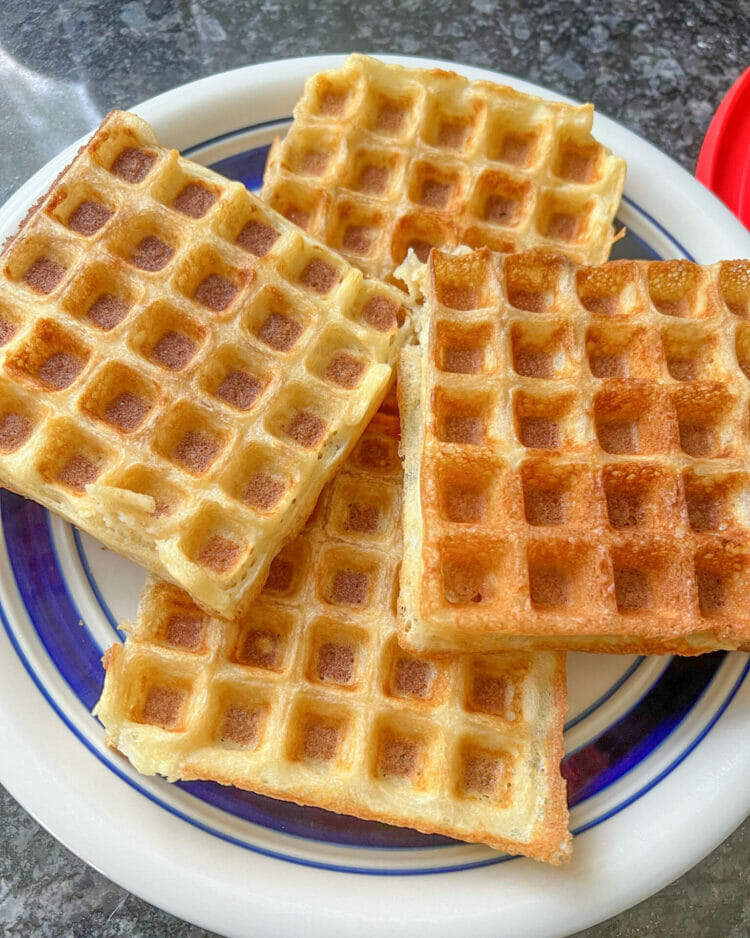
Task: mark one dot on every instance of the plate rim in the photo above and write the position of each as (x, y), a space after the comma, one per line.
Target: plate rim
(568, 910)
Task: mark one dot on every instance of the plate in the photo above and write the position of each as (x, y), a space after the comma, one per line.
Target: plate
(651, 743)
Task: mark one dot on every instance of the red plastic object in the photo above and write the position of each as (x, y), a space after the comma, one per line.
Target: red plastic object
(724, 161)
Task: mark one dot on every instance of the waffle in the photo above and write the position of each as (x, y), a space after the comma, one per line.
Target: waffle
(309, 698)
(576, 457)
(382, 158)
(182, 369)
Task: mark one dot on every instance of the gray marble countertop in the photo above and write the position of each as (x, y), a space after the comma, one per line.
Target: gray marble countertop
(661, 69)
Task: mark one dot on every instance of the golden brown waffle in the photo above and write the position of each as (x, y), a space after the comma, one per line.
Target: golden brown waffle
(576, 457)
(182, 369)
(309, 698)
(381, 158)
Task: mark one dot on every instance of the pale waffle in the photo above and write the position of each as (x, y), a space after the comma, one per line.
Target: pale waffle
(381, 158)
(309, 698)
(182, 369)
(576, 457)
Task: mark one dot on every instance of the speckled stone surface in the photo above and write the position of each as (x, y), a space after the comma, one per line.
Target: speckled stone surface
(660, 69)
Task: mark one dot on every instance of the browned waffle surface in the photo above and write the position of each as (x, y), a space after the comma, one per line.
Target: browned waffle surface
(181, 368)
(381, 158)
(309, 698)
(576, 456)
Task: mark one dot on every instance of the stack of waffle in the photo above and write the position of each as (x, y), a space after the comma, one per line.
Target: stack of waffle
(184, 369)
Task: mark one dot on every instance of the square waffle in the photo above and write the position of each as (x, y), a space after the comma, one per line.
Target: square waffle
(309, 698)
(381, 158)
(181, 368)
(576, 457)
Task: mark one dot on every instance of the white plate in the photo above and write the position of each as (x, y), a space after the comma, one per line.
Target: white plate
(658, 753)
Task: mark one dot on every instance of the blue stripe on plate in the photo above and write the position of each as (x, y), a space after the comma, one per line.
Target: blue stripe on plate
(86, 567)
(607, 695)
(47, 599)
(676, 762)
(670, 237)
(246, 168)
(190, 152)
(598, 764)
